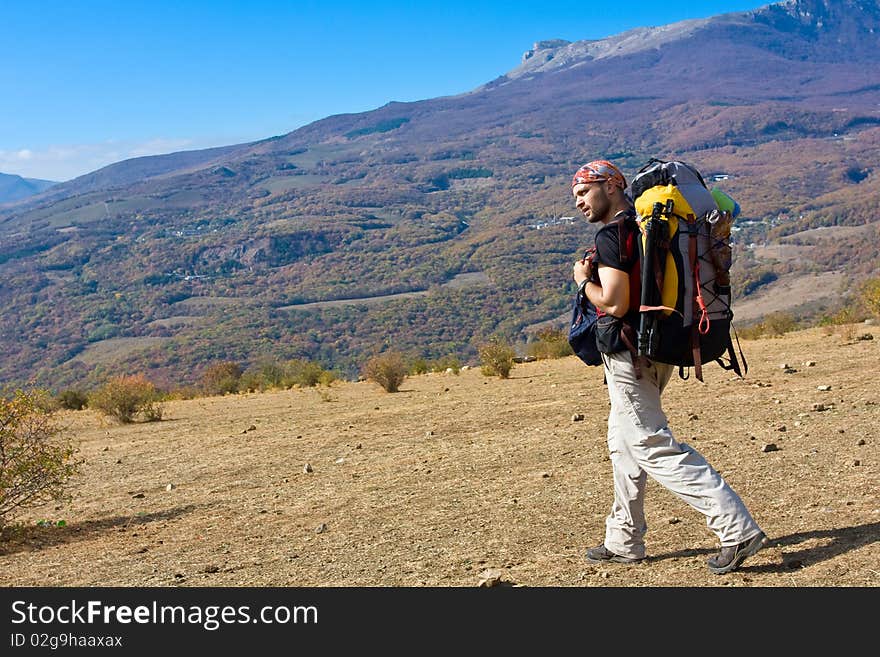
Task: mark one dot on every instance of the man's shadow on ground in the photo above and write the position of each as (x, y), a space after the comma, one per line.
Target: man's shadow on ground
(843, 540)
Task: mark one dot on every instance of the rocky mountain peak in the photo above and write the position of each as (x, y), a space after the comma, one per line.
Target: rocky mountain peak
(817, 10)
(558, 53)
(820, 28)
(824, 14)
(549, 44)
(841, 30)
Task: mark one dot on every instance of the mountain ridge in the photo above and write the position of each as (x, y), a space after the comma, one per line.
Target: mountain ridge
(14, 187)
(405, 197)
(790, 14)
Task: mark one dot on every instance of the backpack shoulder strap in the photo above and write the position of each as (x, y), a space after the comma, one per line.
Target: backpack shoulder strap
(627, 229)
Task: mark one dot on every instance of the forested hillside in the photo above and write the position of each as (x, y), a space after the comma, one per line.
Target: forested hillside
(461, 205)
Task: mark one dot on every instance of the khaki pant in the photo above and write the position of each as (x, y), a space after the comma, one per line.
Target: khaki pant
(641, 444)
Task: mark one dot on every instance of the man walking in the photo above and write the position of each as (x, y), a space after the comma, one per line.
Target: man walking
(639, 439)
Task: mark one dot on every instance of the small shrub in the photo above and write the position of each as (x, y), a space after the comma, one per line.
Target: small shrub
(549, 343)
(870, 296)
(307, 374)
(388, 370)
(496, 357)
(779, 323)
(848, 332)
(774, 324)
(842, 322)
(123, 397)
(35, 464)
(184, 392)
(418, 366)
(327, 377)
(445, 363)
(221, 378)
(272, 374)
(250, 382)
(264, 375)
(845, 315)
(752, 332)
(73, 400)
(152, 412)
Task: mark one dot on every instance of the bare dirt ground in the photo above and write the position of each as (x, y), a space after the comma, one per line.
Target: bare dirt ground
(457, 474)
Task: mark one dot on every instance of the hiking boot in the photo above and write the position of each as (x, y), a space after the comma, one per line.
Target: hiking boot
(602, 554)
(731, 557)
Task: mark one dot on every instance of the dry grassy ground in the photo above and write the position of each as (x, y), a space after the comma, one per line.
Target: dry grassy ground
(457, 474)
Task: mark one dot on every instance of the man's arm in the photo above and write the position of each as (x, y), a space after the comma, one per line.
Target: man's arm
(612, 295)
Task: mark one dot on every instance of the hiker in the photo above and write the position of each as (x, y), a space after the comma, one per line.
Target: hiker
(640, 442)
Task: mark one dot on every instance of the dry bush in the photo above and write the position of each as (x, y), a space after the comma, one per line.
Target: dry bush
(266, 374)
(779, 323)
(183, 392)
(844, 323)
(445, 363)
(752, 331)
(418, 366)
(73, 400)
(124, 397)
(307, 374)
(869, 296)
(496, 357)
(549, 343)
(35, 464)
(774, 325)
(847, 332)
(388, 370)
(846, 315)
(221, 378)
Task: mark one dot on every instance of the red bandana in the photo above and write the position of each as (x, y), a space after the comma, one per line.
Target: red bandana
(598, 171)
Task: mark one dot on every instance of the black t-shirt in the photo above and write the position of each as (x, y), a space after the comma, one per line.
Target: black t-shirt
(609, 253)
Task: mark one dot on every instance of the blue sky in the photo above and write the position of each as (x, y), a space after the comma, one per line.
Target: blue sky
(87, 83)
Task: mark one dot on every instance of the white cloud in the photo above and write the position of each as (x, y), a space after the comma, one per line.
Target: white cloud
(66, 161)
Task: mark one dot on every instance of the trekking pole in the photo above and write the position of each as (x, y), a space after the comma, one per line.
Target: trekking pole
(647, 342)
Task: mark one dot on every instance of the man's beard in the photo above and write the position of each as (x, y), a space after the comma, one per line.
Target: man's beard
(599, 217)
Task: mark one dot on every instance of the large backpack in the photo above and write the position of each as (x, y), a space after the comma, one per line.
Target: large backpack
(685, 255)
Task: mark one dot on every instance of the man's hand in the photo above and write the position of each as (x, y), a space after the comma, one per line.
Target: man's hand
(582, 271)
